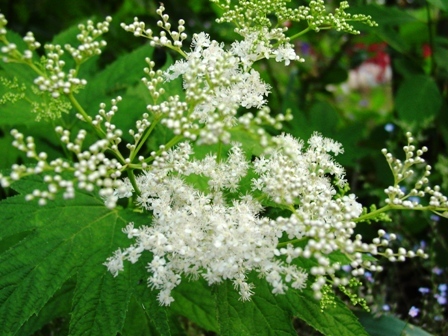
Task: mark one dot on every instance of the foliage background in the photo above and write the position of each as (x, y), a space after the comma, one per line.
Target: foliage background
(414, 36)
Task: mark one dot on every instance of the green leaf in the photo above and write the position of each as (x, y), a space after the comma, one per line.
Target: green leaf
(68, 238)
(338, 320)
(19, 112)
(148, 305)
(441, 55)
(137, 322)
(389, 35)
(418, 100)
(388, 325)
(58, 307)
(8, 154)
(263, 315)
(324, 117)
(269, 314)
(384, 15)
(115, 79)
(194, 300)
(441, 4)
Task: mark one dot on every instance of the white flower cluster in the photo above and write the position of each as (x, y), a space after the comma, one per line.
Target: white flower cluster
(257, 44)
(217, 82)
(201, 233)
(300, 179)
(197, 233)
(289, 174)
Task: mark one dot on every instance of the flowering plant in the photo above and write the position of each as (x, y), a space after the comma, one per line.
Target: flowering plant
(181, 178)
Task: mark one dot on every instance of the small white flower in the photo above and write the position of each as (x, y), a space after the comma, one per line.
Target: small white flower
(285, 53)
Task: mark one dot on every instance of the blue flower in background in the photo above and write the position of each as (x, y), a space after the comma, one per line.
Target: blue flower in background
(413, 312)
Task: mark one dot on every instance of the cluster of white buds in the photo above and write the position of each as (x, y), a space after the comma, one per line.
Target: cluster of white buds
(55, 80)
(318, 18)
(10, 51)
(262, 12)
(172, 112)
(155, 79)
(141, 126)
(54, 182)
(52, 77)
(31, 42)
(384, 240)
(256, 124)
(113, 134)
(258, 13)
(89, 47)
(357, 250)
(176, 36)
(92, 169)
(401, 171)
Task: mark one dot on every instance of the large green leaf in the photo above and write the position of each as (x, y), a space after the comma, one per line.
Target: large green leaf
(418, 100)
(441, 4)
(393, 38)
(384, 15)
(155, 316)
(116, 78)
(388, 325)
(194, 300)
(58, 307)
(263, 315)
(67, 238)
(337, 320)
(20, 111)
(268, 314)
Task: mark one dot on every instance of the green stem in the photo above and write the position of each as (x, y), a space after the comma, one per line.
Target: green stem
(180, 51)
(131, 177)
(85, 116)
(294, 241)
(98, 130)
(218, 157)
(373, 214)
(430, 38)
(144, 138)
(303, 32)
